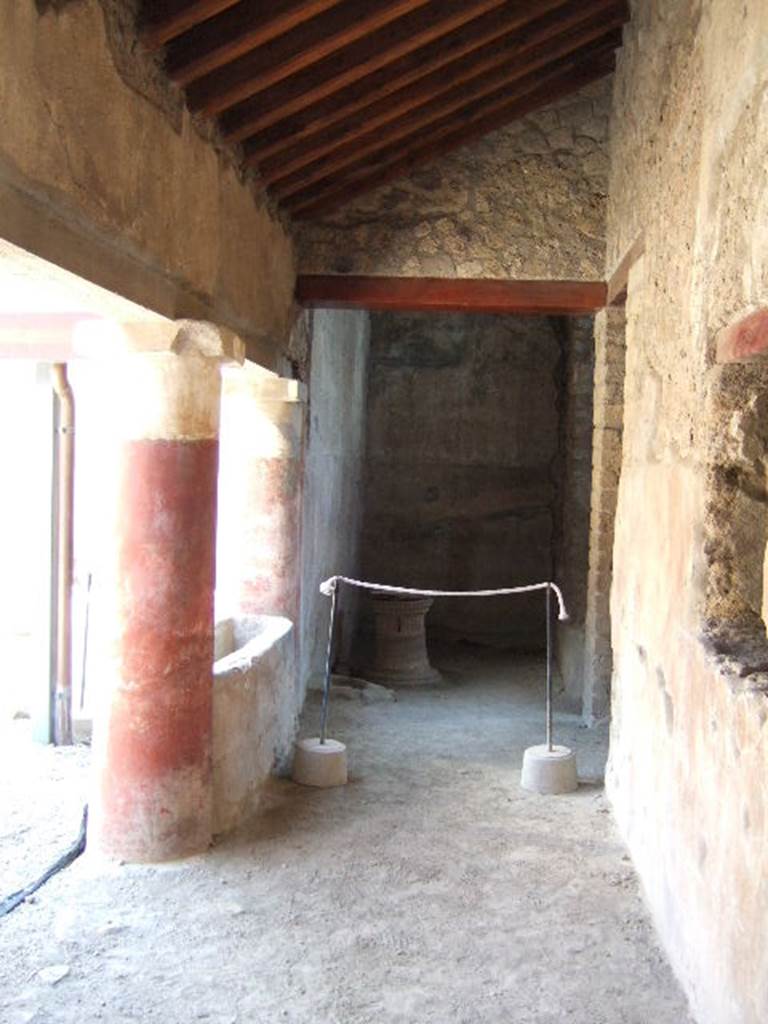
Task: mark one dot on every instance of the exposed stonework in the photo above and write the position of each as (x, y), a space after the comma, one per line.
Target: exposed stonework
(572, 508)
(527, 201)
(108, 180)
(689, 756)
(606, 466)
(461, 466)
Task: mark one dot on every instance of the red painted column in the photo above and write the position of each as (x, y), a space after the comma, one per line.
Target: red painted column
(152, 731)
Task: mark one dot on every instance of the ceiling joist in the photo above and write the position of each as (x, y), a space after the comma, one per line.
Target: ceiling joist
(330, 98)
(382, 63)
(425, 147)
(166, 24)
(293, 52)
(475, 97)
(392, 119)
(240, 30)
(511, 56)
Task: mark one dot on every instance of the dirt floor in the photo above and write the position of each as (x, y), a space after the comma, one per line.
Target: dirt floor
(430, 890)
(42, 793)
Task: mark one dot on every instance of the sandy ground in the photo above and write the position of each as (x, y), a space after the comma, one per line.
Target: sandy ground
(42, 793)
(430, 890)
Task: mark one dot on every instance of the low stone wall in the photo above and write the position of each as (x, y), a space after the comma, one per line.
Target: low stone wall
(255, 709)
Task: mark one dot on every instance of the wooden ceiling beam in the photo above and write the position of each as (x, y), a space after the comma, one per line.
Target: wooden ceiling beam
(377, 67)
(425, 147)
(562, 31)
(450, 295)
(294, 52)
(435, 97)
(237, 32)
(500, 85)
(157, 31)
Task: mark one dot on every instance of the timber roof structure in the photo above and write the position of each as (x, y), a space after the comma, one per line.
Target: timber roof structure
(331, 98)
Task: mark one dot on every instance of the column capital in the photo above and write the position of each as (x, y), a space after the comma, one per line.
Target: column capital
(107, 339)
(207, 340)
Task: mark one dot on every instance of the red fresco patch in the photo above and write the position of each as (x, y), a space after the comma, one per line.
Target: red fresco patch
(744, 341)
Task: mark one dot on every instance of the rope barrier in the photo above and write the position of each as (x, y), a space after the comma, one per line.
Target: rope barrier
(327, 587)
(330, 587)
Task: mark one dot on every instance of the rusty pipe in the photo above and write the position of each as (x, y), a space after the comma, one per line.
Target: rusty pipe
(65, 515)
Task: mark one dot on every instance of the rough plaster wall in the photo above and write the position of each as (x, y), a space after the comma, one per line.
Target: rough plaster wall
(258, 535)
(333, 482)
(461, 480)
(527, 201)
(128, 173)
(572, 508)
(256, 701)
(689, 752)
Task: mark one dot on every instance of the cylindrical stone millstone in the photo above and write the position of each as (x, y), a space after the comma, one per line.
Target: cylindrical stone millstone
(400, 642)
(152, 731)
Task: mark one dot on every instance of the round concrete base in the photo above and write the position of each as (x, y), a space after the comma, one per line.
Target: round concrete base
(429, 678)
(320, 764)
(549, 771)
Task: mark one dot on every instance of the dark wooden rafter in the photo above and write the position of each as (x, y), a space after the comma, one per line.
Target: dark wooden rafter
(168, 23)
(427, 146)
(293, 52)
(376, 68)
(477, 96)
(450, 295)
(240, 30)
(390, 119)
(509, 56)
(331, 98)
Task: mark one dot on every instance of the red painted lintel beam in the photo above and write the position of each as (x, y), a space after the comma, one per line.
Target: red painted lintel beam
(450, 295)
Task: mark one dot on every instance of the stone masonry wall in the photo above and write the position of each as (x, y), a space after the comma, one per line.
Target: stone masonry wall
(527, 201)
(689, 749)
(103, 172)
(571, 552)
(606, 465)
(462, 466)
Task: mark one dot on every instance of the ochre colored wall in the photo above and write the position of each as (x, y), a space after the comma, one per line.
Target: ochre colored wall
(689, 749)
(103, 172)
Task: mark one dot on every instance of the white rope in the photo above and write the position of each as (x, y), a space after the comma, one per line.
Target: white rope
(327, 587)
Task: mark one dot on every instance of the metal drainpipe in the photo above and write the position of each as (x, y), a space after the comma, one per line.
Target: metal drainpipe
(65, 504)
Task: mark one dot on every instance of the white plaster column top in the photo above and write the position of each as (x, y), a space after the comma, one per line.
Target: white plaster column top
(170, 388)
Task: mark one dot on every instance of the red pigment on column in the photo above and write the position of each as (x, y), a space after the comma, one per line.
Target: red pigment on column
(271, 531)
(156, 787)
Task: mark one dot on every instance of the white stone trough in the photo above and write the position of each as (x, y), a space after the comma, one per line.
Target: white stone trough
(255, 707)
